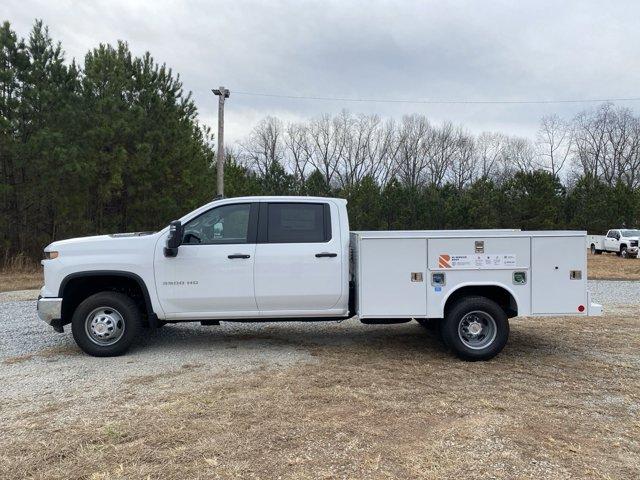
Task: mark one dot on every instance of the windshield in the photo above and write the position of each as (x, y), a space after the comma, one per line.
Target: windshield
(630, 233)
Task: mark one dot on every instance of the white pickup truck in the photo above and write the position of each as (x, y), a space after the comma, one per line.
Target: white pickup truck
(621, 241)
(293, 258)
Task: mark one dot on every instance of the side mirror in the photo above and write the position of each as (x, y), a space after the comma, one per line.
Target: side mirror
(175, 239)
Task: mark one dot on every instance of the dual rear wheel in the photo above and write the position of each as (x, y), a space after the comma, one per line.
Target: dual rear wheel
(475, 328)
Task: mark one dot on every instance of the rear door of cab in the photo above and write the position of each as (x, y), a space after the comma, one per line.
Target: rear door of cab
(298, 258)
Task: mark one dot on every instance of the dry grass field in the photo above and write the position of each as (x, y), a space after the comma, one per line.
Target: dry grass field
(11, 281)
(19, 273)
(608, 266)
(562, 401)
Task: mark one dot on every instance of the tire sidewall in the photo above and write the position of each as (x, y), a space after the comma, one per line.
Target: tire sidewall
(118, 301)
(457, 313)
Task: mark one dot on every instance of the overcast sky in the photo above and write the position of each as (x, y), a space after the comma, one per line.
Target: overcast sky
(414, 50)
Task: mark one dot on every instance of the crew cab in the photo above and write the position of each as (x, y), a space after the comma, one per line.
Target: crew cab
(255, 259)
(621, 241)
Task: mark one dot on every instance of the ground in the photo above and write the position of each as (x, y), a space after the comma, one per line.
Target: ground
(327, 400)
(324, 400)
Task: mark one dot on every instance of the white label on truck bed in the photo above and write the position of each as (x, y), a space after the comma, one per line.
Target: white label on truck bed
(478, 260)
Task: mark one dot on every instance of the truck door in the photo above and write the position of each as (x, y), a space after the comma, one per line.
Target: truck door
(298, 265)
(611, 241)
(212, 275)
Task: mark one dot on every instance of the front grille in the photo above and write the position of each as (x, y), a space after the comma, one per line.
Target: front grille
(634, 243)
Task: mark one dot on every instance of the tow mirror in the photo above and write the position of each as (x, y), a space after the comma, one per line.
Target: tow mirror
(174, 240)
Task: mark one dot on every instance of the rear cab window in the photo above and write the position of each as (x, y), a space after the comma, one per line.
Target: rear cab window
(295, 222)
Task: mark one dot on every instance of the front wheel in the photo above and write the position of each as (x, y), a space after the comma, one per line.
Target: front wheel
(623, 252)
(106, 324)
(475, 328)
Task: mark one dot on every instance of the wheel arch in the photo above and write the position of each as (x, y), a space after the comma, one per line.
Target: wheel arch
(93, 281)
(498, 292)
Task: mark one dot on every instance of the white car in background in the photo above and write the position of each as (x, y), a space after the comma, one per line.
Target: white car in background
(621, 241)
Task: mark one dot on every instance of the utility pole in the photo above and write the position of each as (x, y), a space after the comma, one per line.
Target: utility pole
(222, 93)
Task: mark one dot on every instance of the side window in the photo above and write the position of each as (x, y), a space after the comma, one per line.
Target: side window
(227, 224)
(298, 223)
(610, 234)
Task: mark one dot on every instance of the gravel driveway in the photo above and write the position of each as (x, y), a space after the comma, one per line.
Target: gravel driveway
(345, 396)
(39, 361)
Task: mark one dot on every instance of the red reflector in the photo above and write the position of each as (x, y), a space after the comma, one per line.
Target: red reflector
(581, 308)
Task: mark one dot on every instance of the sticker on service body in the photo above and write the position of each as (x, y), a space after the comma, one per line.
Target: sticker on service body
(437, 289)
(478, 260)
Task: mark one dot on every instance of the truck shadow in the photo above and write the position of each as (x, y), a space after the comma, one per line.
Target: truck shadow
(405, 339)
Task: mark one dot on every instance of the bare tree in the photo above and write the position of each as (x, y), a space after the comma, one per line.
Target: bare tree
(464, 163)
(383, 153)
(489, 151)
(298, 149)
(414, 142)
(327, 143)
(441, 153)
(590, 140)
(518, 155)
(264, 145)
(554, 142)
(624, 156)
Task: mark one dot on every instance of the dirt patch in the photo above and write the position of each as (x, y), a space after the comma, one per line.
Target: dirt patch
(562, 401)
(44, 353)
(608, 266)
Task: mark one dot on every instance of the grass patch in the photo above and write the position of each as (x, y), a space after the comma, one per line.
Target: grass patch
(18, 272)
(608, 266)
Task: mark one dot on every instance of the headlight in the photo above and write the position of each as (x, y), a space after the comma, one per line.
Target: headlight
(50, 255)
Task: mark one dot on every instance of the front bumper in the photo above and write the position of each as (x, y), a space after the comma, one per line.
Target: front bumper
(49, 309)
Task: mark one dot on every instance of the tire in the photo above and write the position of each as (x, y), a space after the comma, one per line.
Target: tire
(593, 249)
(623, 252)
(459, 328)
(106, 324)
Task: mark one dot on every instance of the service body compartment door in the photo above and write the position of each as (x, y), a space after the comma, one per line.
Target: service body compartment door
(478, 261)
(554, 289)
(392, 276)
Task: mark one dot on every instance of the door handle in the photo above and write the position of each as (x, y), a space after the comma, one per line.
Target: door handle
(238, 255)
(326, 254)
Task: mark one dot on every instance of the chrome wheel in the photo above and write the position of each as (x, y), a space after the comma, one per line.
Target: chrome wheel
(104, 326)
(477, 330)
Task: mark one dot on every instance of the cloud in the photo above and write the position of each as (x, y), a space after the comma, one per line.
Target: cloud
(366, 49)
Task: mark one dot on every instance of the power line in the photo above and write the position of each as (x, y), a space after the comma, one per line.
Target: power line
(438, 102)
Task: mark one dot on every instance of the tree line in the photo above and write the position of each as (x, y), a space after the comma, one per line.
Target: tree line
(114, 144)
